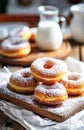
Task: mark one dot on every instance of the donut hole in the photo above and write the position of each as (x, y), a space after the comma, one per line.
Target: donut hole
(49, 87)
(48, 65)
(73, 78)
(25, 74)
(19, 30)
(16, 43)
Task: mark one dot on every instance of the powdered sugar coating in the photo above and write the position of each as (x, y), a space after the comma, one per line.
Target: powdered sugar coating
(23, 77)
(20, 31)
(73, 78)
(56, 89)
(57, 67)
(14, 43)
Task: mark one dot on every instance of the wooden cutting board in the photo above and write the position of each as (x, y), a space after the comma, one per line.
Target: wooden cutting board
(57, 113)
(61, 53)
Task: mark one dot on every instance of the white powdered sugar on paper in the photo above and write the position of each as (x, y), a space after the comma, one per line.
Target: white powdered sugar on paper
(4, 75)
(67, 106)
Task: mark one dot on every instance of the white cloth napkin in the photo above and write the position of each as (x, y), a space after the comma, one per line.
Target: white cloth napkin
(74, 65)
(31, 121)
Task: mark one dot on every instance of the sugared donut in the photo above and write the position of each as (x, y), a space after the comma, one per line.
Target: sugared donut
(74, 83)
(48, 70)
(23, 32)
(50, 94)
(15, 47)
(22, 81)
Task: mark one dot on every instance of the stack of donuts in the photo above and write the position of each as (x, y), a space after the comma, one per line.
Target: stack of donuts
(49, 80)
(18, 43)
(49, 71)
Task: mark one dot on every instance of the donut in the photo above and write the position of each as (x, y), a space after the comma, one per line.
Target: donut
(33, 34)
(14, 47)
(23, 32)
(74, 83)
(48, 70)
(50, 94)
(22, 81)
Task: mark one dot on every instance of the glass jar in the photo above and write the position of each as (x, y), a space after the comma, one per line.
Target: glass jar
(49, 35)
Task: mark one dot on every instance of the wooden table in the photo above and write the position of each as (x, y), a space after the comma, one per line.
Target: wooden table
(77, 53)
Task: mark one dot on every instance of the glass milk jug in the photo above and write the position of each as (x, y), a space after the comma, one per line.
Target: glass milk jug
(49, 35)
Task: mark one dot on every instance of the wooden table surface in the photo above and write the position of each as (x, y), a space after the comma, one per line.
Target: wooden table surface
(77, 52)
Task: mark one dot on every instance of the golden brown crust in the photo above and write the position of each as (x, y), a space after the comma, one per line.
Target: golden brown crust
(50, 94)
(33, 34)
(74, 83)
(47, 80)
(44, 99)
(16, 53)
(48, 70)
(40, 74)
(15, 47)
(23, 32)
(22, 81)
(26, 36)
(33, 37)
(75, 90)
(23, 90)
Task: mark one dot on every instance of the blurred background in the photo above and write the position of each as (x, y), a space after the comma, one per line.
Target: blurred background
(30, 6)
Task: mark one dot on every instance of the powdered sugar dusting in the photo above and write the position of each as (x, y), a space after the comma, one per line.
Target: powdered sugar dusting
(55, 89)
(14, 43)
(65, 110)
(73, 78)
(68, 106)
(58, 65)
(23, 76)
(20, 31)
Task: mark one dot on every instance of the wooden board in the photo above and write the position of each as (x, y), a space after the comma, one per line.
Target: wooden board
(57, 113)
(61, 53)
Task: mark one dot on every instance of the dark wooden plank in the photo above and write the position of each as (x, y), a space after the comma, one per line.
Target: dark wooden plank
(58, 113)
(30, 18)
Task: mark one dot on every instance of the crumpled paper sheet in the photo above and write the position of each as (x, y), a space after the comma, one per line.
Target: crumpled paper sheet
(74, 65)
(31, 121)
